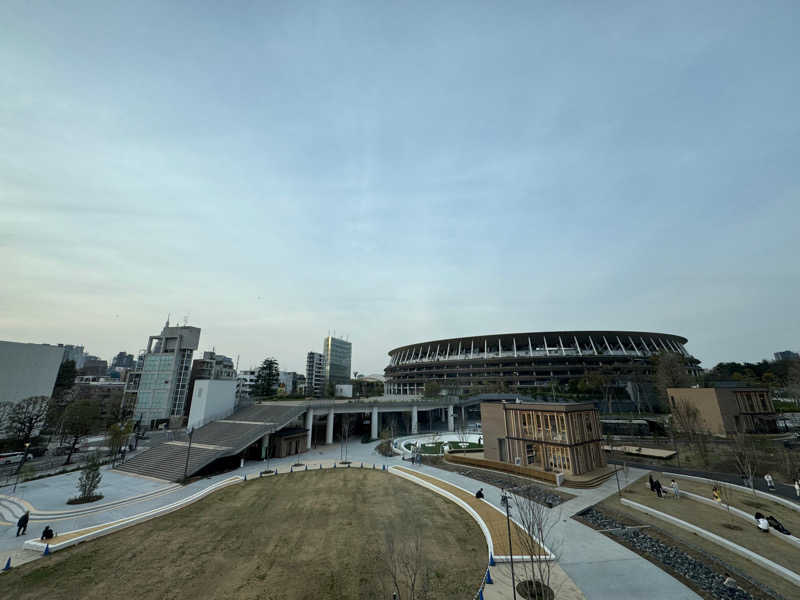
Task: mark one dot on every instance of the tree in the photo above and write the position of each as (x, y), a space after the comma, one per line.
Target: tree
(90, 479)
(746, 455)
(670, 372)
(330, 390)
(117, 435)
(81, 418)
(688, 420)
(5, 413)
(402, 559)
(267, 377)
(65, 378)
(537, 521)
(26, 417)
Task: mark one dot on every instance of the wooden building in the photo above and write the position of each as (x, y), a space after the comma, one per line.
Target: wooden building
(561, 437)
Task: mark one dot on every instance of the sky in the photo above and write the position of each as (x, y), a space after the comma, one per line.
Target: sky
(398, 172)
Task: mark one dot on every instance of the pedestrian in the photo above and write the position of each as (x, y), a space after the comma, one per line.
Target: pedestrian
(675, 491)
(770, 482)
(797, 487)
(657, 486)
(22, 523)
(479, 494)
(47, 534)
(652, 484)
(715, 494)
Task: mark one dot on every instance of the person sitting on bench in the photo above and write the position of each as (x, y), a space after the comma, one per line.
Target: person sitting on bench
(47, 534)
(762, 523)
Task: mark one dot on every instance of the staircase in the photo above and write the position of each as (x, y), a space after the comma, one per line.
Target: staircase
(168, 461)
(590, 482)
(10, 510)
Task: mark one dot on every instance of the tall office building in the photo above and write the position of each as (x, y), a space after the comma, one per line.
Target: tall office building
(337, 354)
(315, 374)
(157, 390)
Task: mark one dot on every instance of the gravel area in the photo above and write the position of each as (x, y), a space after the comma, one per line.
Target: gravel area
(705, 572)
(523, 487)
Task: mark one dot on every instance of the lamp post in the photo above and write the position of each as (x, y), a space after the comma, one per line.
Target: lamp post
(21, 464)
(189, 431)
(505, 501)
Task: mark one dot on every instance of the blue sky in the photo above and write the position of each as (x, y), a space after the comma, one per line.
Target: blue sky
(399, 172)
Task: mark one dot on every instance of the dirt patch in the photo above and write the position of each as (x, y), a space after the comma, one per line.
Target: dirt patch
(301, 535)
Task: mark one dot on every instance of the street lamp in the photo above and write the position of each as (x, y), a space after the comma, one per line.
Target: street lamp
(21, 464)
(505, 501)
(189, 432)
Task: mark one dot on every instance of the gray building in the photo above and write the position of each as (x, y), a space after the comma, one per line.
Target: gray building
(28, 370)
(315, 374)
(244, 384)
(76, 354)
(337, 354)
(159, 389)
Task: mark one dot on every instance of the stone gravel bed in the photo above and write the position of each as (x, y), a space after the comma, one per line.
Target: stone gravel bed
(676, 561)
(538, 493)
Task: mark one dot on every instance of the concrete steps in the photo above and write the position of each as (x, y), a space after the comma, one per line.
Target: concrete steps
(168, 461)
(10, 510)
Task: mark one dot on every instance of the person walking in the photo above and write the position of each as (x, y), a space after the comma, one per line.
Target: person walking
(657, 486)
(22, 523)
(797, 487)
(770, 482)
(675, 491)
(652, 483)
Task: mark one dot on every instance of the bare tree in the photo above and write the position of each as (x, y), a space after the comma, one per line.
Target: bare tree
(402, 560)
(671, 371)
(5, 413)
(688, 421)
(537, 521)
(746, 455)
(27, 416)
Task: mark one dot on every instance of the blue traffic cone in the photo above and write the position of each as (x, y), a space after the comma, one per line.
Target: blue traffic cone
(480, 594)
(334, 465)
(8, 565)
(306, 466)
(491, 559)
(489, 577)
(291, 469)
(46, 550)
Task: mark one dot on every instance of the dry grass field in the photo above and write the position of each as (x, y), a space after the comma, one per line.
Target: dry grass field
(314, 535)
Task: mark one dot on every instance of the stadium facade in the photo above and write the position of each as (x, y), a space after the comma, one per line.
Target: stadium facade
(529, 363)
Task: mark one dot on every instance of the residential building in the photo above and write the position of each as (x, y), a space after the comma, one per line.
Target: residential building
(159, 390)
(28, 370)
(74, 353)
(315, 374)
(725, 411)
(367, 386)
(211, 366)
(123, 360)
(561, 437)
(244, 384)
(289, 383)
(94, 366)
(337, 354)
(786, 355)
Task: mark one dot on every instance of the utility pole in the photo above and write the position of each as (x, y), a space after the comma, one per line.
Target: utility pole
(505, 500)
(190, 431)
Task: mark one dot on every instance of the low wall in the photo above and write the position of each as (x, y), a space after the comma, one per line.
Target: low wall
(741, 488)
(496, 465)
(740, 550)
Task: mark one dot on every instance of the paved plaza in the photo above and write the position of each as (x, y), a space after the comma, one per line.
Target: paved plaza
(598, 566)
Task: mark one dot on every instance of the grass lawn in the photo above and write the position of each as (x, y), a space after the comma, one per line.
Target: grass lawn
(714, 520)
(745, 501)
(314, 535)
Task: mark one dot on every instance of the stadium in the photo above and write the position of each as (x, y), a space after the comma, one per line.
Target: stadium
(530, 363)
